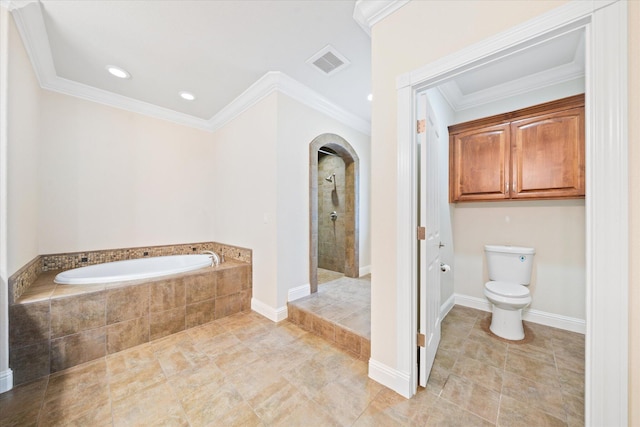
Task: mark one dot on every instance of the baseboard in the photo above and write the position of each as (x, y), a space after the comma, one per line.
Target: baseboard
(298, 292)
(446, 307)
(390, 378)
(472, 302)
(365, 270)
(555, 320)
(6, 380)
(530, 315)
(275, 315)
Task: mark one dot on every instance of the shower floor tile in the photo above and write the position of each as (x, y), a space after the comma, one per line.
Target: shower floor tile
(325, 275)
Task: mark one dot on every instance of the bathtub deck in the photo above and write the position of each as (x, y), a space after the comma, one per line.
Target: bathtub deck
(44, 288)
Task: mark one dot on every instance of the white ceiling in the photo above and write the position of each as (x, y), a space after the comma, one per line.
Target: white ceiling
(214, 49)
(555, 61)
(230, 53)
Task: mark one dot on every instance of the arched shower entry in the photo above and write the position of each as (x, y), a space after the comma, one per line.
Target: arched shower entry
(333, 207)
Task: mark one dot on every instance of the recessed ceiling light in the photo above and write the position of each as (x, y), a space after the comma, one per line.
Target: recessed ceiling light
(118, 72)
(370, 97)
(187, 95)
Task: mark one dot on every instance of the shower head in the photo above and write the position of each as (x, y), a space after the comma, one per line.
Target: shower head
(330, 177)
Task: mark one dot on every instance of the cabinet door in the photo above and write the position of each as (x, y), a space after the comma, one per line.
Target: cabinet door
(479, 166)
(548, 155)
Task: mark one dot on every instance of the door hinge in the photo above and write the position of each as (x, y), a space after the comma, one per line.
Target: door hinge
(422, 340)
(422, 233)
(421, 126)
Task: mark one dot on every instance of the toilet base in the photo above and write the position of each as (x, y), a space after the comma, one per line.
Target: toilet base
(507, 324)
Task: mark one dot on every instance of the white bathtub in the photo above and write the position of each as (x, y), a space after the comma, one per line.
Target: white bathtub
(133, 269)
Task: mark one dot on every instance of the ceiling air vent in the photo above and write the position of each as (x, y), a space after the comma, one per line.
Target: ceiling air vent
(328, 61)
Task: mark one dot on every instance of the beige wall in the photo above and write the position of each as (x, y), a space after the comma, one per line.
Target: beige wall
(23, 106)
(243, 191)
(111, 178)
(261, 190)
(85, 176)
(410, 38)
(556, 229)
(298, 125)
(634, 214)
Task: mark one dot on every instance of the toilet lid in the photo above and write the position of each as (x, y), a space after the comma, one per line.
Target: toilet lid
(508, 289)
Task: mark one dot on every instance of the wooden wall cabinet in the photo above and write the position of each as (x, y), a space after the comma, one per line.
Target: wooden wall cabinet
(534, 153)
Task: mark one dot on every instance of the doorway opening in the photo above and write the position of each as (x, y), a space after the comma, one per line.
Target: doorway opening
(333, 208)
(606, 370)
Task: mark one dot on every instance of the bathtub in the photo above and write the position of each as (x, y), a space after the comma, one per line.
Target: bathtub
(133, 269)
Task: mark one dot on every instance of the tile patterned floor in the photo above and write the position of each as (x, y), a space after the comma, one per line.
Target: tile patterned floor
(325, 275)
(245, 370)
(539, 381)
(536, 382)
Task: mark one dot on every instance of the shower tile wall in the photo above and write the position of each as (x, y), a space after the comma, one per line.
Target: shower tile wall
(331, 234)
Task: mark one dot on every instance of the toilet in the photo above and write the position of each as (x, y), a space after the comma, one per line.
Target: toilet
(509, 275)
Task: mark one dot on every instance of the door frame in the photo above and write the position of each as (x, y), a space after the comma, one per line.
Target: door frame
(607, 258)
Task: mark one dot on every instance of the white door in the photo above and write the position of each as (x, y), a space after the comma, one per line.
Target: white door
(429, 248)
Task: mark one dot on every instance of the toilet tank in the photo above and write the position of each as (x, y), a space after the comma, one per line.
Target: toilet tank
(510, 263)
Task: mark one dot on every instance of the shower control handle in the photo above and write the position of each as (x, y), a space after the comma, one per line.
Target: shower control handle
(333, 215)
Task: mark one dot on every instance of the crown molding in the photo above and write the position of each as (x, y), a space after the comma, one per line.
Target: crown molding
(29, 20)
(30, 23)
(276, 81)
(367, 13)
(307, 96)
(15, 4)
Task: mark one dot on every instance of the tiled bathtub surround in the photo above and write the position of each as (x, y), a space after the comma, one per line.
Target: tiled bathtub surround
(27, 275)
(54, 327)
(23, 278)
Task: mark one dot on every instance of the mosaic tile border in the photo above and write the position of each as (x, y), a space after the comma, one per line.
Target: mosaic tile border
(24, 277)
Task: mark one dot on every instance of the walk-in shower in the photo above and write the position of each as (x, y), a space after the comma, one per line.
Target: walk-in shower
(333, 219)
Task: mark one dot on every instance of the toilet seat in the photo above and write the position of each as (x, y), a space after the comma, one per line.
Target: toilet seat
(507, 289)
